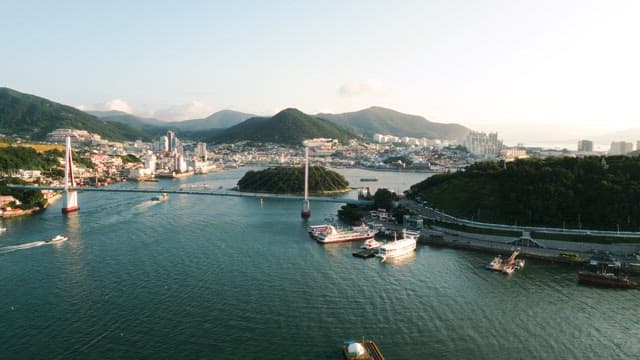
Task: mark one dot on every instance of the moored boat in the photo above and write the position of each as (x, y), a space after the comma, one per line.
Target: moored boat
(604, 270)
(333, 235)
(371, 244)
(606, 279)
(397, 248)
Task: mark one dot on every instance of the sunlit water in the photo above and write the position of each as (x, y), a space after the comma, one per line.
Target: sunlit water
(229, 278)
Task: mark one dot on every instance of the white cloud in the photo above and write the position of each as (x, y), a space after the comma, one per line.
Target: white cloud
(115, 104)
(191, 110)
(118, 105)
(364, 87)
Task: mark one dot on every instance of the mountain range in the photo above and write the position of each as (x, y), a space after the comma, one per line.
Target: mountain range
(33, 117)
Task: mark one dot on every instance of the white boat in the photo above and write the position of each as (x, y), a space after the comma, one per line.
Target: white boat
(56, 239)
(333, 235)
(315, 230)
(371, 244)
(3, 229)
(397, 248)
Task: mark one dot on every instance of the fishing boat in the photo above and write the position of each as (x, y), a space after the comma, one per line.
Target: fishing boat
(333, 235)
(56, 239)
(508, 265)
(604, 270)
(397, 248)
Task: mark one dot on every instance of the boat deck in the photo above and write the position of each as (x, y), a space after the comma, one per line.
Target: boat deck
(373, 352)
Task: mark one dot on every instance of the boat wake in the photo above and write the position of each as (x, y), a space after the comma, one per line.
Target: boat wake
(8, 249)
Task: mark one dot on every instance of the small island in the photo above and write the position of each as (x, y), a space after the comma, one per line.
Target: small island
(290, 180)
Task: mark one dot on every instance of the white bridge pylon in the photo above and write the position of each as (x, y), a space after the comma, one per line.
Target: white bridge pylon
(70, 196)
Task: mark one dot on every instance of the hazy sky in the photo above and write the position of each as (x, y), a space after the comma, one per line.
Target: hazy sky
(521, 66)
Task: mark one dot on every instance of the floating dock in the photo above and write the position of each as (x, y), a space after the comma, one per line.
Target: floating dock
(365, 253)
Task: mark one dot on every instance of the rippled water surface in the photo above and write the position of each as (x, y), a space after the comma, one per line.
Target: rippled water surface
(228, 278)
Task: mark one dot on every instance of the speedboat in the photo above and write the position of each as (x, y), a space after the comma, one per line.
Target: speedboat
(57, 239)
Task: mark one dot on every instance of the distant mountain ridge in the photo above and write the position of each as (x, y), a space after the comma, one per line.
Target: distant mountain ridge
(290, 126)
(386, 121)
(34, 117)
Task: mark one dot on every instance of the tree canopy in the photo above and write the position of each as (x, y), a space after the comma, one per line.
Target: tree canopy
(591, 192)
(290, 180)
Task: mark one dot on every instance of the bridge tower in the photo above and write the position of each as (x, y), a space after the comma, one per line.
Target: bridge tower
(70, 196)
(306, 207)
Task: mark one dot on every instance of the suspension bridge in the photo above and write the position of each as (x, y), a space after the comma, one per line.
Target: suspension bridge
(70, 191)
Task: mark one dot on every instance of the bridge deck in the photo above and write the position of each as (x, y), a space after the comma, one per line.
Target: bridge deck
(206, 193)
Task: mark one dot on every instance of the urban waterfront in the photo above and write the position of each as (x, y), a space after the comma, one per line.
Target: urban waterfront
(227, 278)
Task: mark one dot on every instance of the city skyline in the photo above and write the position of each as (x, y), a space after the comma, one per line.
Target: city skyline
(519, 68)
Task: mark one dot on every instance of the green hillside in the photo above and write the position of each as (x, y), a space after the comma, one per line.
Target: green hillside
(289, 126)
(379, 120)
(555, 192)
(33, 117)
(290, 180)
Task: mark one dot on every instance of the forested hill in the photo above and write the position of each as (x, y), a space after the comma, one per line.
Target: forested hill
(290, 127)
(591, 193)
(290, 180)
(33, 117)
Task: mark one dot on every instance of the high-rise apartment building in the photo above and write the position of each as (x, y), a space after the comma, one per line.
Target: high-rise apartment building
(620, 148)
(585, 145)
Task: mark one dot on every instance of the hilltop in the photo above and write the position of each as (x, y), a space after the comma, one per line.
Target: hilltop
(33, 117)
(380, 120)
(290, 180)
(290, 126)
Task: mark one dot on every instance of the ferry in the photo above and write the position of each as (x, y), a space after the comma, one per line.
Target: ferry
(333, 235)
(397, 248)
(56, 239)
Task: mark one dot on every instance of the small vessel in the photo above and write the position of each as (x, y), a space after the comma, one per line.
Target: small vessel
(496, 264)
(371, 244)
(333, 235)
(608, 279)
(369, 179)
(604, 270)
(363, 350)
(315, 230)
(3, 229)
(56, 239)
(397, 248)
(508, 265)
(162, 197)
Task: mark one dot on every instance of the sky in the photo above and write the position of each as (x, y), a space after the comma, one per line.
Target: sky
(531, 70)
